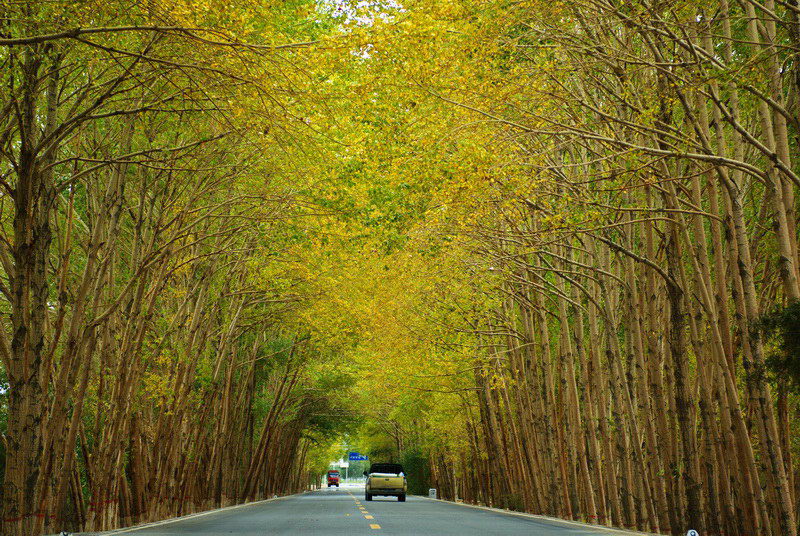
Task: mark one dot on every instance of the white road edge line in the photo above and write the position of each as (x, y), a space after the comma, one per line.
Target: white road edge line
(544, 518)
(189, 516)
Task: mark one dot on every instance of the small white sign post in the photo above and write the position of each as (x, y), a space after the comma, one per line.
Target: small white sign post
(432, 493)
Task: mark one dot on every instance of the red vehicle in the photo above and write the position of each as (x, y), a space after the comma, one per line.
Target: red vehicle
(333, 478)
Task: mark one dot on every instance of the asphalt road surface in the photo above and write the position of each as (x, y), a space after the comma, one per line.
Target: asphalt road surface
(344, 511)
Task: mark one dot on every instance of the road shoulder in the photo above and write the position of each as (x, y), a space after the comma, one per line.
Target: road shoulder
(554, 520)
(195, 515)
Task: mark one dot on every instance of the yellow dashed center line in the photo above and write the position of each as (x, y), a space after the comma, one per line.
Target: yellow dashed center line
(364, 511)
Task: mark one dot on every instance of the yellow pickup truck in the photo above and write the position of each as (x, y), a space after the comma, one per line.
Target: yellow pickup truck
(386, 479)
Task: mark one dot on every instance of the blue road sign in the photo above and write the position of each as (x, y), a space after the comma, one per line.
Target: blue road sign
(357, 457)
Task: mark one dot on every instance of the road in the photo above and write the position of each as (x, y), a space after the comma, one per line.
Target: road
(344, 511)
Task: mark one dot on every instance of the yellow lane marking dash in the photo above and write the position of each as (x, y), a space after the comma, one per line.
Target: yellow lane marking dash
(368, 517)
(374, 526)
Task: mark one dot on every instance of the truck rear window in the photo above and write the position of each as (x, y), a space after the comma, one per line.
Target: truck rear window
(393, 468)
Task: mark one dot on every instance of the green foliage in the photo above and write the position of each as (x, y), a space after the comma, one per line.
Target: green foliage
(783, 326)
(417, 469)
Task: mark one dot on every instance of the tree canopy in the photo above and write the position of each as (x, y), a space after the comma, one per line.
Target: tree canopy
(544, 254)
